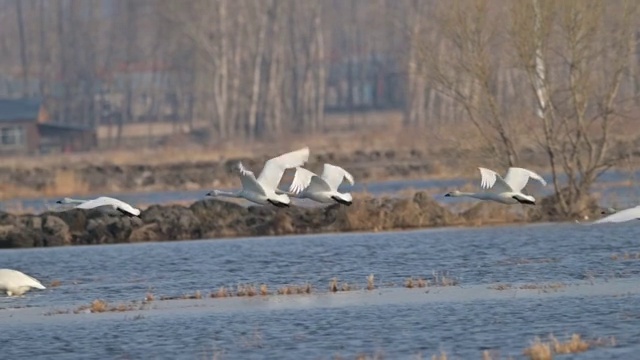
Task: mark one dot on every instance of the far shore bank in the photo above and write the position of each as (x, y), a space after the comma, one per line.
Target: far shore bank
(215, 219)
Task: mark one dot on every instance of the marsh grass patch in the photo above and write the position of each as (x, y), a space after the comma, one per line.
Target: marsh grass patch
(544, 350)
(542, 287)
(625, 256)
(101, 306)
(336, 286)
(500, 287)
(295, 289)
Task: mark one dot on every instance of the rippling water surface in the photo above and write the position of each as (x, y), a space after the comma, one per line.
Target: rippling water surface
(601, 296)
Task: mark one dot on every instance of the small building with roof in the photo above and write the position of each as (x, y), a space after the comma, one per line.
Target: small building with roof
(26, 129)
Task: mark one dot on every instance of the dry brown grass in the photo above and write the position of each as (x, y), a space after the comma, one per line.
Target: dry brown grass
(195, 296)
(544, 350)
(370, 282)
(246, 290)
(264, 290)
(441, 356)
(220, 293)
(538, 350)
(626, 256)
(552, 287)
(101, 306)
(443, 279)
(295, 289)
(500, 287)
(149, 297)
(335, 286)
(415, 283)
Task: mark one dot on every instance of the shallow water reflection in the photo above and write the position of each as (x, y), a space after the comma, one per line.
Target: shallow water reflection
(320, 326)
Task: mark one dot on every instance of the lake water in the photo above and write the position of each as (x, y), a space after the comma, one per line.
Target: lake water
(600, 296)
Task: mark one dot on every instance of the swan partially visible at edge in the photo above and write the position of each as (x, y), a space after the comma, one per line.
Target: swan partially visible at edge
(263, 189)
(507, 190)
(616, 216)
(15, 283)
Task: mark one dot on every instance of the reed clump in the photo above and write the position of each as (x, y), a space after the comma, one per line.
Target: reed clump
(100, 306)
(246, 290)
(220, 293)
(195, 296)
(441, 356)
(500, 287)
(415, 283)
(544, 350)
(295, 289)
(626, 256)
(335, 286)
(552, 287)
(370, 282)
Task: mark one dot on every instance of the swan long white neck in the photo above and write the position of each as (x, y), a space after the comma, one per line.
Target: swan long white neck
(73, 201)
(232, 194)
(469, 194)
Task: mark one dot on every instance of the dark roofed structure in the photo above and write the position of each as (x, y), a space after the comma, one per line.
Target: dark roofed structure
(25, 129)
(20, 109)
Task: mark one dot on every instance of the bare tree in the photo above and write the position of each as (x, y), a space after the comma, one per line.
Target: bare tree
(578, 99)
(466, 69)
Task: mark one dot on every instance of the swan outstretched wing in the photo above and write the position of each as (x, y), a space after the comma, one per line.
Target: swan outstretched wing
(305, 179)
(621, 216)
(274, 168)
(492, 181)
(248, 180)
(334, 175)
(517, 178)
(109, 202)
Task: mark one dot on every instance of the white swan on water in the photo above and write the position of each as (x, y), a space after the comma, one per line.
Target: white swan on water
(103, 202)
(619, 216)
(324, 188)
(15, 283)
(263, 190)
(505, 190)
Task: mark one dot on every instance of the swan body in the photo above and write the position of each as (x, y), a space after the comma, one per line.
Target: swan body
(619, 216)
(263, 189)
(103, 202)
(324, 188)
(15, 283)
(507, 190)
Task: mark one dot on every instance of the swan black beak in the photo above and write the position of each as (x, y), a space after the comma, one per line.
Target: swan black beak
(447, 195)
(59, 202)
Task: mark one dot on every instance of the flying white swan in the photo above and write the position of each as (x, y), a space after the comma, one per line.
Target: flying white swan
(101, 203)
(619, 216)
(262, 190)
(505, 190)
(324, 188)
(15, 283)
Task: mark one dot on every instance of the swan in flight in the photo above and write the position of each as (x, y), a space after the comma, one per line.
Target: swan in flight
(15, 283)
(619, 216)
(103, 202)
(505, 190)
(324, 188)
(263, 189)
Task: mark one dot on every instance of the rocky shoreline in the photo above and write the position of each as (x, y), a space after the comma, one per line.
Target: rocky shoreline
(213, 219)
